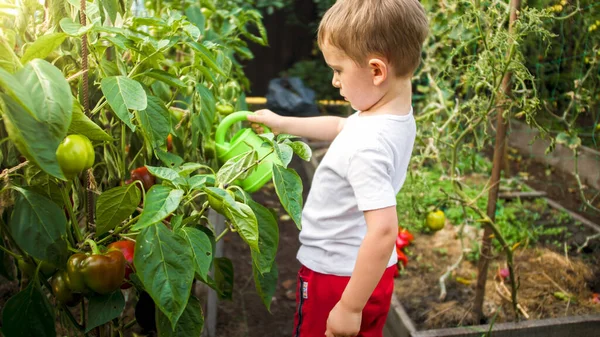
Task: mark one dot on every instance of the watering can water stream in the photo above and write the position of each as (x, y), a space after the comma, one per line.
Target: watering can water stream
(243, 141)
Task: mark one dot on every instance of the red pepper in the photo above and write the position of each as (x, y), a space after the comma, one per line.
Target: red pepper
(406, 235)
(142, 174)
(102, 273)
(169, 143)
(402, 257)
(126, 247)
(401, 243)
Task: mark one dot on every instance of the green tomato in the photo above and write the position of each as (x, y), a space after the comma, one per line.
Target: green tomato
(435, 220)
(74, 155)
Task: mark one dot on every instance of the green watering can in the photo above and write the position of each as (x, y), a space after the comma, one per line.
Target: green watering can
(243, 141)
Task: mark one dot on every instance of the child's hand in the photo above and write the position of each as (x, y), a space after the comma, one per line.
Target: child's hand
(343, 322)
(268, 118)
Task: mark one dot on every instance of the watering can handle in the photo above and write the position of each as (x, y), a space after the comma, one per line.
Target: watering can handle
(228, 121)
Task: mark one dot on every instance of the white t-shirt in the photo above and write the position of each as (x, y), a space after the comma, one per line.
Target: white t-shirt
(363, 169)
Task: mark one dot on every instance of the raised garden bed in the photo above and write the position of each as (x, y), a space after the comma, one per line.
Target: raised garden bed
(557, 284)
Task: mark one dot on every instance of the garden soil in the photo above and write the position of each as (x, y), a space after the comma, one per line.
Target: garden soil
(552, 283)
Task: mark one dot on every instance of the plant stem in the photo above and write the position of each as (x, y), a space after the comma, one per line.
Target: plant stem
(246, 169)
(130, 324)
(225, 231)
(94, 246)
(120, 229)
(6, 172)
(65, 189)
(123, 146)
(9, 252)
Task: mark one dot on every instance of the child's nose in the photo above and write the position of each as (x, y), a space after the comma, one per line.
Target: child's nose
(335, 82)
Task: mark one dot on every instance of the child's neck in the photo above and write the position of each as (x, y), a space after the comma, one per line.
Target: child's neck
(397, 100)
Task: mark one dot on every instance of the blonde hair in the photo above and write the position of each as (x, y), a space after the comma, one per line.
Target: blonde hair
(393, 29)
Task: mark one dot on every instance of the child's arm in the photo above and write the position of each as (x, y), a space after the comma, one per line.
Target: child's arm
(373, 256)
(316, 128)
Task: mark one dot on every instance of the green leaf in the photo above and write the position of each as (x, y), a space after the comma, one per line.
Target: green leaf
(115, 205)
(190, 323)
(199, 181)
(82, 125)
(38, 226)
(165, 77)
(266, 284)
(224, 277)
(244, 221)
(168, 158)
(206, 56)
(302, 150)
(164, 173)
(160, 202)
(43, 46)
(221, 195)
(112, 8)
(268, 237)
(28, 313)
(155, 121)
(104, 308)
(187, 168)
(123, 93)
(201, 249)
(177, 222)
(571, 142)
(235, 165)
(8, 59)
(16, 91)
(284, 152)
(192, 31)
(288, 186)
(202, 122)
(73, 28)
(37, 119)
(162, 261)
(195, 16)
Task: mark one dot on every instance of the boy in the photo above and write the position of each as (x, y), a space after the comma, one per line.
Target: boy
(349, 221)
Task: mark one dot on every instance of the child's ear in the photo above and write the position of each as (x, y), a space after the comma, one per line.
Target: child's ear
(379, 70)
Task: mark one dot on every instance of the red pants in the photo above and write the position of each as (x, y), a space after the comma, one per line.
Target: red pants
(317, 294)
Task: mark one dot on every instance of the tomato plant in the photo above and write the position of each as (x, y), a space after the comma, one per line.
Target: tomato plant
(143, 88)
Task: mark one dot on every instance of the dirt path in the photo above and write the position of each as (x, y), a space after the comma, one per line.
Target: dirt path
(246, 316)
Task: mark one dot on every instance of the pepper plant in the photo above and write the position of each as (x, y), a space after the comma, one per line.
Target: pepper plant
(146, 85)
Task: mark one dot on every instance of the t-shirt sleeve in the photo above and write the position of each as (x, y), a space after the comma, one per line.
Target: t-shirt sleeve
(369, 175)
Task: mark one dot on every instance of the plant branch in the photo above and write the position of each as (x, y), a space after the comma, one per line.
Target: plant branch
(7, 172)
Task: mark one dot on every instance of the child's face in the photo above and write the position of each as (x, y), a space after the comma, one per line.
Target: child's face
(354, 81)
